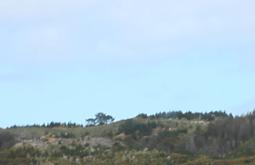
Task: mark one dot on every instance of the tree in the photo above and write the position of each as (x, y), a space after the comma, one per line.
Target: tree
(110, 119)
(100, 119)
(91, 122)
(142, 115)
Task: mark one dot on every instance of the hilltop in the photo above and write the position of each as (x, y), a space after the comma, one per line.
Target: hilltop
(171, 138)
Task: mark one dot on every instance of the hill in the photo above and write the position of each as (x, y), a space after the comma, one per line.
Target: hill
(171, 138)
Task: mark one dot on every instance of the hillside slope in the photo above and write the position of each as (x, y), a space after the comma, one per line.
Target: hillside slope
(158, 139)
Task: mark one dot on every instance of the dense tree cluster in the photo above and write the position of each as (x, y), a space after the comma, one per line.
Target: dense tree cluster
(208, 116)
(222, 133)
(225, 134)
(133, 127)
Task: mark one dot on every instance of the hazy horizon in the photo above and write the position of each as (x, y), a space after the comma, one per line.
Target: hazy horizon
(66, 60)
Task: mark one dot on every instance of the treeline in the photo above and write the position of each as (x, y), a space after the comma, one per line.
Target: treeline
(50, 125)
(99, 119)
(104, 119)
(208, 116)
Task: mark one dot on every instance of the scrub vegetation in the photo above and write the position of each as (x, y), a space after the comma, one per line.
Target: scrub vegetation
(166, 138)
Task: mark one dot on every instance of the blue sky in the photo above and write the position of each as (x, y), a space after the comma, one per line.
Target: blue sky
(66, 60)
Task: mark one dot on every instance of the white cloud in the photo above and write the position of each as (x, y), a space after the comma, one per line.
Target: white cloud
(46, 30)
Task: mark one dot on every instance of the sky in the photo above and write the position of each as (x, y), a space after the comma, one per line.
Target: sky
(65, 60)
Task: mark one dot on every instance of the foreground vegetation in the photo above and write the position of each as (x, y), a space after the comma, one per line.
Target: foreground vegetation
(170, 138)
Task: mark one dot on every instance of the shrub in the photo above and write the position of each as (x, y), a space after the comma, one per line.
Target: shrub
(131, 126)
(6, 140)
